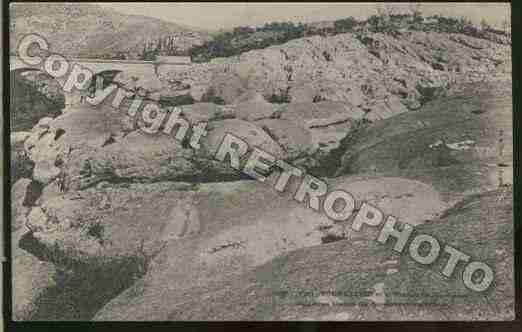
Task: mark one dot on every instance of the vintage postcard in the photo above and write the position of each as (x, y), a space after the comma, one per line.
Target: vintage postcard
(260, 162)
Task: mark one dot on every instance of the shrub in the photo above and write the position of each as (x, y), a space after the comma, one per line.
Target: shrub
(244, 39)
(345, 25)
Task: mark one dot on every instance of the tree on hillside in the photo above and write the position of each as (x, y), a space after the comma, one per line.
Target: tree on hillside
(381, 22)
(345, 24)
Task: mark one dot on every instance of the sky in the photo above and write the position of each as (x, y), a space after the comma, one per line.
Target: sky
(215, 16)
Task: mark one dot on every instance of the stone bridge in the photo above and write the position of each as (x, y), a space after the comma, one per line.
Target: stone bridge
(107, 69)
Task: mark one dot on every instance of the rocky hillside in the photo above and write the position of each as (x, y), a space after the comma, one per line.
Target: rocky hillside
(418, 124)
(376, 73)
(88, 30)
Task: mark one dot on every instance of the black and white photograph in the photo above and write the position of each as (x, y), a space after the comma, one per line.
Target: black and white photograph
(174, 161)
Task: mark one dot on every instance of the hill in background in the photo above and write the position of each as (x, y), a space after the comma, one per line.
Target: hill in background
(88, 30)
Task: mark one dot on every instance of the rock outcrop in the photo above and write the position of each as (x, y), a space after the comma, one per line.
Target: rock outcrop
(381, 74)
(467, 136)
(358, 279)
(235, 232)
(81, 148)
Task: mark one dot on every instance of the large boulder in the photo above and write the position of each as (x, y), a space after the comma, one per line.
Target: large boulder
(51, 143)
(138, 157)
(327, 123)
(87, 126)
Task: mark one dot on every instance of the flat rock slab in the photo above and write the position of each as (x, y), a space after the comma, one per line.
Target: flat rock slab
(241, 229)
(345, 280)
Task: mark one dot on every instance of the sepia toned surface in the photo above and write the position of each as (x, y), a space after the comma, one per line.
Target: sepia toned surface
(211, 171)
